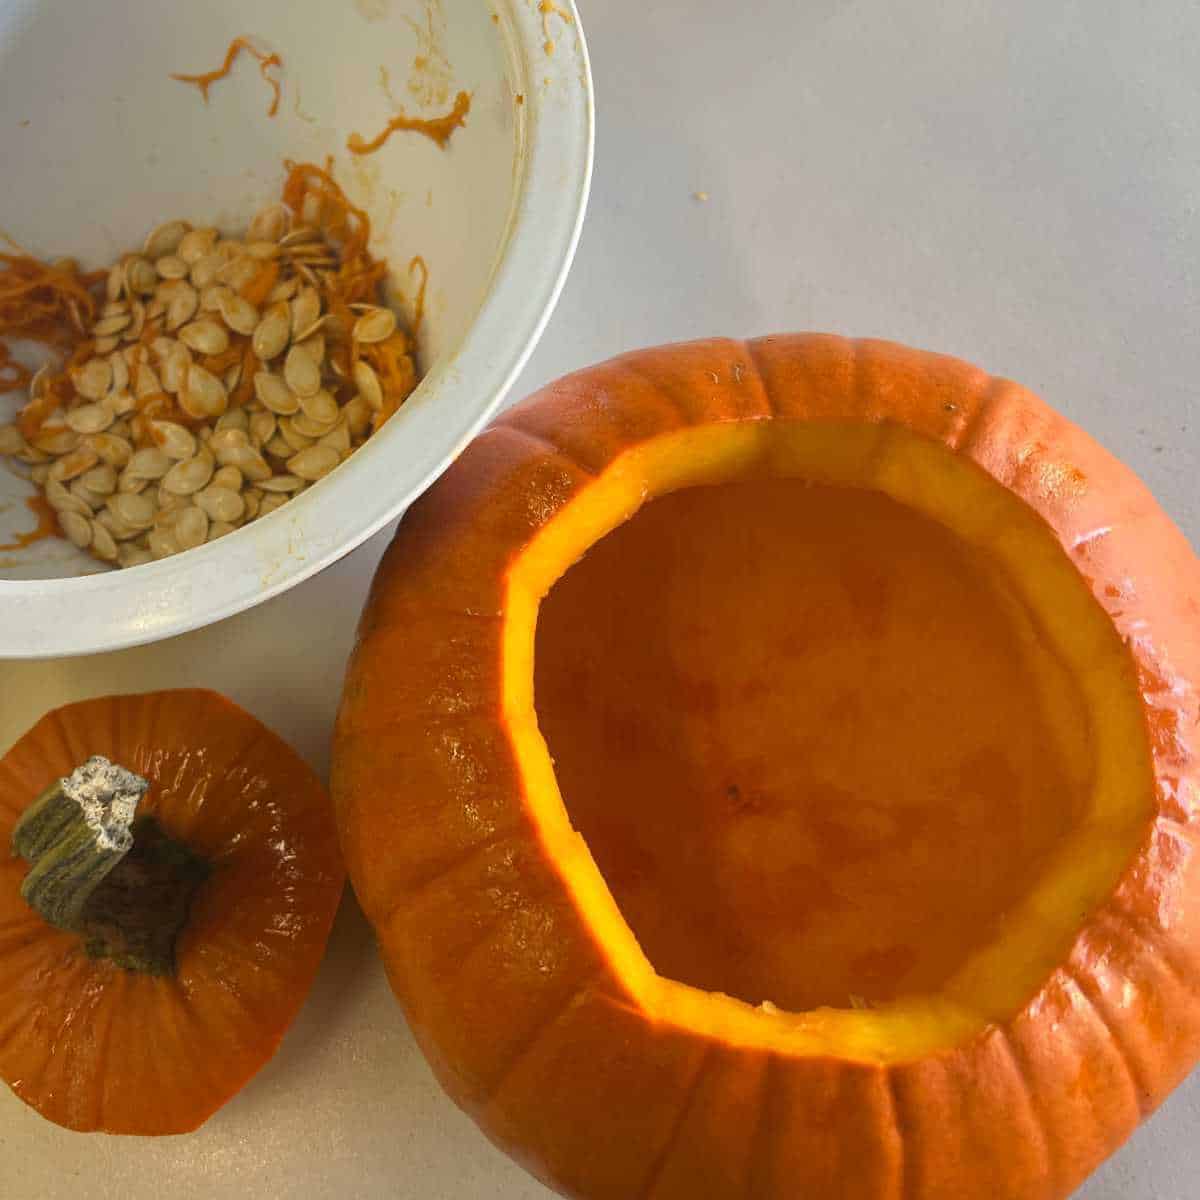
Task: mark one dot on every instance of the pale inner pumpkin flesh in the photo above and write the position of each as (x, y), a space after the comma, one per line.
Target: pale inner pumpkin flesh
(834, 753)
(815, 745)
(813, 741)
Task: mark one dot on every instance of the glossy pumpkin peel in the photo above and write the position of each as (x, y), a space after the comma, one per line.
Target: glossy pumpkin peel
(997, 1029)
(153, 955)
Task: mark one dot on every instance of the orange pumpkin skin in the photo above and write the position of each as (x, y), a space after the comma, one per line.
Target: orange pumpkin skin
(92, 1046)
(507, 987)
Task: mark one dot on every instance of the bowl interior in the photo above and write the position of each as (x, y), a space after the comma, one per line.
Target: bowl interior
(101, 145)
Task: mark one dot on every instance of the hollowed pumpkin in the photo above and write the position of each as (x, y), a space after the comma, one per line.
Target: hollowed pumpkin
(171, 971)
(769, 769)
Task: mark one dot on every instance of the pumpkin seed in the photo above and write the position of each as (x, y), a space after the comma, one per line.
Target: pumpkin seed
(306, 308)
(175, 369)
(103, 545)
(114, 285)
(314, 346)
(261, 428)
(358, 415)
(162, 543)
(191, 474)
(202, 394)
(221, 504)
(337, 439)
(294, 439)
(151, 463)
(240, 315)
(224, 440)
(210, 297)
(285, 289)
(170, 505)
(367, 382)
(120, 372)
(314, 462)
(274, 394)
(182, 306)
(106, 327)
(101, 479)
(92, 499)
(304, 335)
(376, 325)
(232, 418)
(62, 500)
(173, 439)
(269, 224)
(196, 244)
(218, 529)
(205, 337)
(140, 276)
(137, 312)
(77, 528)
(252, 498)
(93, 380)
(116, 451)
(146, 381)
(320, 408)
(133, 556)
(132, 510)
(271, 333)
(204, 271)
(73, 464)
(238, 273)
(119, 530)
(307, 427)
(165, 238)
(227, 477)
(282, 483)
(271, 503)
(251, 464)
(130, 484)
(90, 418)
(171, 266)
(191, 528)
(233, 449)
(301, 373)
(55, 439)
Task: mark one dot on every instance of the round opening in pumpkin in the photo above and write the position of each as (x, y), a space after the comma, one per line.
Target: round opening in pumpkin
(812, 738)
(827, 751)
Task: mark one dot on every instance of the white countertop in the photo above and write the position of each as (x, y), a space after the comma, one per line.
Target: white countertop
(1011, 181)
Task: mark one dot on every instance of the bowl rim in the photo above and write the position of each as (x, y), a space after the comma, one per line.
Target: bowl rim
(556, 146)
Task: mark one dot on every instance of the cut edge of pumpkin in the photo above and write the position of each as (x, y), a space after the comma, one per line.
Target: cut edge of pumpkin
(1001, 976)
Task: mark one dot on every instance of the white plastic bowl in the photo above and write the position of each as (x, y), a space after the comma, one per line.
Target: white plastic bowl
(99, 145)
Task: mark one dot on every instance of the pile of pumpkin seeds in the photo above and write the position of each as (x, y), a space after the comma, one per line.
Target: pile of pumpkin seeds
(176, 338)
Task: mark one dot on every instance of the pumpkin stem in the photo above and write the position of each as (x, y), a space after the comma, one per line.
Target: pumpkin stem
(124, 887)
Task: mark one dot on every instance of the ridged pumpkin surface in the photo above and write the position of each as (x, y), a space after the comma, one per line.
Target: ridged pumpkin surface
(93, 1046)
(823, 892)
